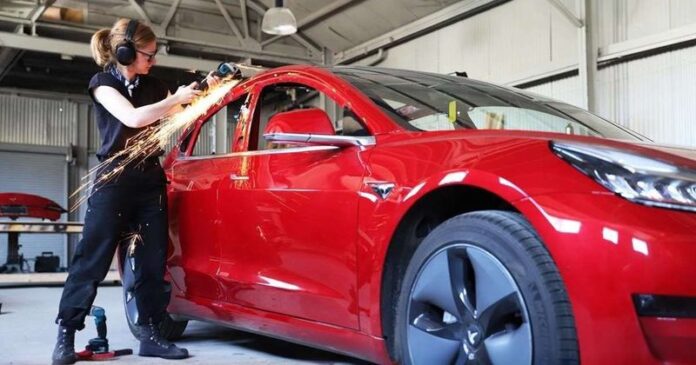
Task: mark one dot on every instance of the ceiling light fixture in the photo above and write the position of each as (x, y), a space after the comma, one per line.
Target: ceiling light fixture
(279, 20)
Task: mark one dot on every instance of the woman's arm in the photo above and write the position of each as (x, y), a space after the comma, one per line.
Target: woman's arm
(145, 115)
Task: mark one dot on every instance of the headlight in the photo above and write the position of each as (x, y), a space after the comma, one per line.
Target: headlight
(642, 180)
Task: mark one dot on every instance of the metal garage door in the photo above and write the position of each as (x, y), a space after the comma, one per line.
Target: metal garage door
(41, 174)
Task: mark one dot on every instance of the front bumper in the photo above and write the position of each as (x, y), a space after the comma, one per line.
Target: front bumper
(608, 250)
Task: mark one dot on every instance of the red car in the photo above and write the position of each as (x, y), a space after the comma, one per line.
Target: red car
(21, 205)
(416, 218)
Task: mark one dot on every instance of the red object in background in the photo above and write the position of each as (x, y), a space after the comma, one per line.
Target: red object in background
(20, 205)
(305, 243)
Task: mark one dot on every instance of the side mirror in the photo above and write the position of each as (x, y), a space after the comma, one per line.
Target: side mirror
(301, 121)
(308, 127)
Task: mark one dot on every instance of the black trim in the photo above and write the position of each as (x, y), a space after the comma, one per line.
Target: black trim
(646, 53)
(547, 79)
(650, 305)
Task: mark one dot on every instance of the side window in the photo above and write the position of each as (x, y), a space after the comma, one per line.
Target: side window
(220, 127)
(288, 97)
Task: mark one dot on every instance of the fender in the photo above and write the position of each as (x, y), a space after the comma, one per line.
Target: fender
(378, 217)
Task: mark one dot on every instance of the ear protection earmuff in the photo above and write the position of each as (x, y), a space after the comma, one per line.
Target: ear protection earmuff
(125, 51)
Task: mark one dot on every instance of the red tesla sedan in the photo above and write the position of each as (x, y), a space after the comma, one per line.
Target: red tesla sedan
(416, 218)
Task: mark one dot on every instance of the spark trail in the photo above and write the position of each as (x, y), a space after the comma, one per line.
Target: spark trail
(149, 141)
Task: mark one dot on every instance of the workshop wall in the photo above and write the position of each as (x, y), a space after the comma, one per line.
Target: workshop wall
(652, 94)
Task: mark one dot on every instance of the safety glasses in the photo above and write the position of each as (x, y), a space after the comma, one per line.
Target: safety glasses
(150, 56)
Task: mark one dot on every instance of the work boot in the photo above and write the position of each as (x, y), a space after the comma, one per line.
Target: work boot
(152, 344)
(64, 352)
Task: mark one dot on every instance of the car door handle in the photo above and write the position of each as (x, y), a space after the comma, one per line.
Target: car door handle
(236, 177)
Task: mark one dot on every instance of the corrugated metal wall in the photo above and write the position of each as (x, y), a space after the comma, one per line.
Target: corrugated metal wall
(35, 121)
(525, 38)
(654, 96)
(499, 45)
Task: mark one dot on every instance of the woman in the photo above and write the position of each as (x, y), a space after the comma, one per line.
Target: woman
(126, 101)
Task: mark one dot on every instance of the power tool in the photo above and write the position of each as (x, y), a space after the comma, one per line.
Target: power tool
(223, 70)
(97, 348)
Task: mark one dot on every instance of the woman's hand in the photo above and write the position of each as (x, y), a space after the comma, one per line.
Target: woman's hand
(186, 94)
(212, 80)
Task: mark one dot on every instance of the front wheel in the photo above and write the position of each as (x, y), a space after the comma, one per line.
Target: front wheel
(482, 289)
(169, 328)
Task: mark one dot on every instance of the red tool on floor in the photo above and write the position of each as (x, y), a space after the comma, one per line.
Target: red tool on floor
(98, 348)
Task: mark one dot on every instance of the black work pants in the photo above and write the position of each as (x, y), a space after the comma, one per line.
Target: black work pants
(133, 202)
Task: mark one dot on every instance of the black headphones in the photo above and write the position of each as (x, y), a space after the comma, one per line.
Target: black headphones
(125, 51)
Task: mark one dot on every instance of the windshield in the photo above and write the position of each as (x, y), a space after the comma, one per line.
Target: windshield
(431, 102)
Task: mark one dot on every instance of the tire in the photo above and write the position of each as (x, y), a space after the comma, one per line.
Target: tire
(169, 328)
(482, 289)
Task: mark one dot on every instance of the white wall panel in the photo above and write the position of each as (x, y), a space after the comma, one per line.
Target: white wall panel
(623, 20)
(646, 17)
(522, 39)
(682, 12)
(427, 58)
(653, 96)
(509, 42)
(567, 90)
(464, 46)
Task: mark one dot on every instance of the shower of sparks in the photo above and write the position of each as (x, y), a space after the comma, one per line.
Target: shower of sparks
(150, 141)
(134, 239)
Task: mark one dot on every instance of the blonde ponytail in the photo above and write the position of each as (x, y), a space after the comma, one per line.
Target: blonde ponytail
(101, 47)
(105, 41)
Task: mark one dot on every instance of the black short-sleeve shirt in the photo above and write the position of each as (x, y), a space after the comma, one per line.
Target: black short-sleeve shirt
(115, 134)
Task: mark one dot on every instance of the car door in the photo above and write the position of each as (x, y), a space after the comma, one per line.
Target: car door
(193, 204)
(289, 218)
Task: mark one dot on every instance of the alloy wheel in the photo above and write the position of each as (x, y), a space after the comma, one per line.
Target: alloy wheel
(465, 308)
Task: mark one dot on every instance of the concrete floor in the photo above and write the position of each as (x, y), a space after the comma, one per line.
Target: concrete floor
(27, 335)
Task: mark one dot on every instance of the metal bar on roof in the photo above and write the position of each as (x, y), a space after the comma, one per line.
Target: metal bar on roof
(40, 10)
(141, 12)
(8, 59)
(245, 18)
(452, 13)
(52, 45)
(230, 22)
(170, 15)
(577, 22)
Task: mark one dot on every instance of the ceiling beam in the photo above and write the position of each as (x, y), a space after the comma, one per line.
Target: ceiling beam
(230, 22)
(453, 13)
(57, 46)
(40, 10)
(322, 13)
(141, 12)
(577, 22)
(8, 58)
(245, 18)
(282, 57)
(170, 15)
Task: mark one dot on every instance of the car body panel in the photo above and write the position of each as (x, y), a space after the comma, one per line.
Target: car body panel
(257, 243)
(279, 219)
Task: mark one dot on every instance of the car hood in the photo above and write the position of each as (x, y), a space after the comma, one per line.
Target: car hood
(674, 150)
(680, 155)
